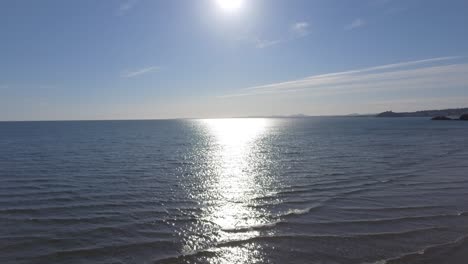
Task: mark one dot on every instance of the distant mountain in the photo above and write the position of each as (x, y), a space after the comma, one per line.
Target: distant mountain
(426, 113)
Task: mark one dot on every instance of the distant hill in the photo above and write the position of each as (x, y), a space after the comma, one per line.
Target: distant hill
(426, 113)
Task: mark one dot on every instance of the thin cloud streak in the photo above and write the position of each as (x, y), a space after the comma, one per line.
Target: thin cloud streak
(327, 76)
(263, 43)
(140, 72)
(300, 29)
(358, 22)
(379, 77)
(126, 6)
(297, 30)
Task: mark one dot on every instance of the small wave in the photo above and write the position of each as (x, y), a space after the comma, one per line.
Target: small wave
(427, 254)
(297, 211)
(63, 256)
(333, 187)
(75, 206)
(238, 242)
(257, 238)
(398, 208)
(309, 237)
(60, 220)
(251, 227)
(385, 220)
(295, 236)
(303, 211)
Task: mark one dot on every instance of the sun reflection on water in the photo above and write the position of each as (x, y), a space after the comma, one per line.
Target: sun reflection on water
(235, 141)
(236, 152)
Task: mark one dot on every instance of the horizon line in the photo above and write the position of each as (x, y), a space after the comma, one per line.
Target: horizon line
(299, 115)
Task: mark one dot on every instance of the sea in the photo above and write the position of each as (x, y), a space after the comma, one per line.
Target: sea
(240, 190)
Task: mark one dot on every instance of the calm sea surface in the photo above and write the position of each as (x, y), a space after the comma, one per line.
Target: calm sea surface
(305, 190)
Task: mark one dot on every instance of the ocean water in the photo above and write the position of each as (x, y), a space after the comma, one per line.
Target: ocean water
(299, 190)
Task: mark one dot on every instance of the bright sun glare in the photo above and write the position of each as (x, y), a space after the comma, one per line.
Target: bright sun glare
(230, 5)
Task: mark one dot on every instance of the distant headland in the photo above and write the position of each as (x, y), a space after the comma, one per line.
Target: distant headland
(444, 114)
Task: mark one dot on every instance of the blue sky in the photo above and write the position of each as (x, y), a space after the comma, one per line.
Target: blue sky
(132, 59)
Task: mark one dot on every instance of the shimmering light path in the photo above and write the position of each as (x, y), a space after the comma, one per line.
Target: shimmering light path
(312, 190)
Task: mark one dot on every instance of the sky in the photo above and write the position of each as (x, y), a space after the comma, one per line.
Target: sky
(149, 59)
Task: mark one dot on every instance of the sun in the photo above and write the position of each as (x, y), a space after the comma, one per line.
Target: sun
(230, 5)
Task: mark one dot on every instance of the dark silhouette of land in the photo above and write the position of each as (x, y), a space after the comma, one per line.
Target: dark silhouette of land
(444, 114)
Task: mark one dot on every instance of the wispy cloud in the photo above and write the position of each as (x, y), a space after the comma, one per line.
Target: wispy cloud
(358, 22)
(131, 74)
(404, 75)
(300, 29)
(263, 43)
(126, 6)
(297, 30)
